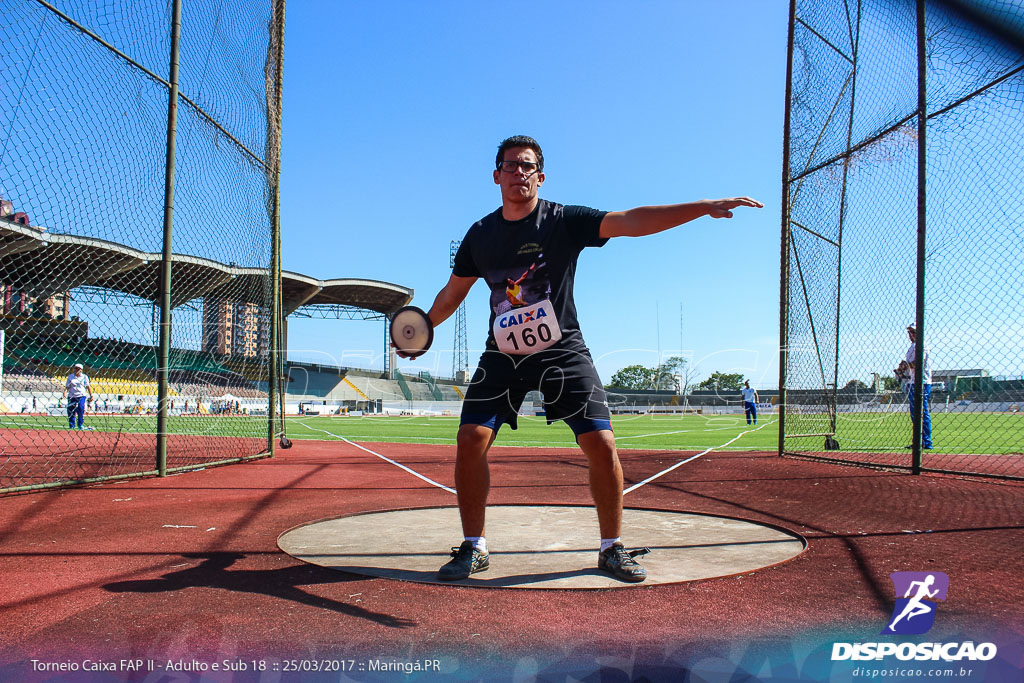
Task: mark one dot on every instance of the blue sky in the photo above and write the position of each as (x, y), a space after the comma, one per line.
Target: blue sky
(393, 112)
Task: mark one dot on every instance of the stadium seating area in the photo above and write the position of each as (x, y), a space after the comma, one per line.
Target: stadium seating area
(37, 365)
(314, 382)
(305, 382)
(375, 386)
(33, 382)
(116, 368)
(449, 393)
(121, 387)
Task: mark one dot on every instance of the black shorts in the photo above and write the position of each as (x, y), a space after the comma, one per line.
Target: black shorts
(567, 380)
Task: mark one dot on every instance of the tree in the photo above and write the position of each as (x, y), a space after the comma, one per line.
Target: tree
(855, 385)
(665, 375)
(633, 377)
(890, 383)
(722, 381)
(671, 375)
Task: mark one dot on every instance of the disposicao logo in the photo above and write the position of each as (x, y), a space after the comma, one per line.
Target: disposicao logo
(914, 614)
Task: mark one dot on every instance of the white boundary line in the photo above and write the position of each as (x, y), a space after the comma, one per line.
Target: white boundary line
(648, 480)
(632, 488)
(644, 436)
(386, 459)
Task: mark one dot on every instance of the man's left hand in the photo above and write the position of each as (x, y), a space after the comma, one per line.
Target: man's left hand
(722, 208)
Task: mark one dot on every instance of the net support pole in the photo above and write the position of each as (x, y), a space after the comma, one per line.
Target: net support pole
(834, 413)
(784, 248)
(389, 352)
(276, 357)
(922, 156)
(162, 373)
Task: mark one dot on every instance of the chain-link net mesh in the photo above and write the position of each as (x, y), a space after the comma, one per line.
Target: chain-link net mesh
(83, 163)
(852, 188)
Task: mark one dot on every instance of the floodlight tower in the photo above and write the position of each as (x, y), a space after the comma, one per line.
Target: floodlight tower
(460, 351)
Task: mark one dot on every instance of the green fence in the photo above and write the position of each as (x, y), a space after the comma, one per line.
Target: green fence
(903, 161)
(139, 147)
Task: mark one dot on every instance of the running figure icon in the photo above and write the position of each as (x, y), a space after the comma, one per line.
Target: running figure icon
(916, 607)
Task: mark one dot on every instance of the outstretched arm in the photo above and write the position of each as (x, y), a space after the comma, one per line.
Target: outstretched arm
(449, 298)
(648, 220)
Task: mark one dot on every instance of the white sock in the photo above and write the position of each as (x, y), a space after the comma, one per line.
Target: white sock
(609, 542)
(479, 542)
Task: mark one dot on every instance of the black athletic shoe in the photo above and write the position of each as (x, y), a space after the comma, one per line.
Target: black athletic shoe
(466, 560)
(619, 562)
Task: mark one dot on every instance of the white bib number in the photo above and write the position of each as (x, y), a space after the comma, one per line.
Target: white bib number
(526, 330)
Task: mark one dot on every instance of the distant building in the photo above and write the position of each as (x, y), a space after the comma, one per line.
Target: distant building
(12, 301)
(235, 328)
(55, 307)
(16, 302)
(961, 380)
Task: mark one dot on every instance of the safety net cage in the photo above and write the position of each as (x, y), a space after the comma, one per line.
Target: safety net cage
(904, 156)
(138, 174)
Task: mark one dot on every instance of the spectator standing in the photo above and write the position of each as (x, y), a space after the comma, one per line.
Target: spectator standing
(79, 392)
(926, 387)
(750, 400)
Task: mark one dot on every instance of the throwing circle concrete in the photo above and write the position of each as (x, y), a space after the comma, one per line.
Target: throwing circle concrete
(540, 546)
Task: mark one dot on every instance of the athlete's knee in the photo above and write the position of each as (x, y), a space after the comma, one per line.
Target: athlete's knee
(599, 447)
(473, 440)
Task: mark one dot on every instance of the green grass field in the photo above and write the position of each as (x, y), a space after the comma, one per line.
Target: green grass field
(961, 432)
(992, 433)
(692, 432)
(207, 425)
(985, 433)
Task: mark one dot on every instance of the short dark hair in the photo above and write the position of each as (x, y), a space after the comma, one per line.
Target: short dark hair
(519, 141)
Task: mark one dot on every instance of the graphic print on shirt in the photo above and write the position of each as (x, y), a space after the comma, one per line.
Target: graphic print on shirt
(524, 319)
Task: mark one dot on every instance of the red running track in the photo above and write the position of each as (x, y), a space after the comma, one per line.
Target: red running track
(187, 568)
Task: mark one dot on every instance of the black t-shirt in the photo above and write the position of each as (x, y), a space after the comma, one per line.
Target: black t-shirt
(530, 260)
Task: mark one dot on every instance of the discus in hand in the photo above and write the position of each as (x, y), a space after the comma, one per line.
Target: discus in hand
(412, 333)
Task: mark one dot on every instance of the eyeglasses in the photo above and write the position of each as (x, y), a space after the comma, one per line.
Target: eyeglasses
(527, 167)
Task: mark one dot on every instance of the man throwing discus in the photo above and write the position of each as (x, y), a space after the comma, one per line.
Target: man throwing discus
(526, 252)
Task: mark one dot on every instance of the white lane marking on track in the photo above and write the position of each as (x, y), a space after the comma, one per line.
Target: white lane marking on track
(721, 429)
(648, 480)
(382, 457)
(13, 423)
(644, 436)
(391, 439)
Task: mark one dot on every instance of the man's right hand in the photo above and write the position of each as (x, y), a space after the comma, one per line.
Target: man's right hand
(402, 354)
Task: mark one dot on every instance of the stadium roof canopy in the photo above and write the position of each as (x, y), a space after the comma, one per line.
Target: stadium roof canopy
(41, 264)
(301, 290)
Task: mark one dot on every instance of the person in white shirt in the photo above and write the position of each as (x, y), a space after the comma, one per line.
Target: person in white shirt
(749, 402)
(79, 392)
(926, 388)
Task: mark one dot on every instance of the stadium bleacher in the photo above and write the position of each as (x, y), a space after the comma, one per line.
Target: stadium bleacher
(117, 369)
(310, 382)
(127, 372)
